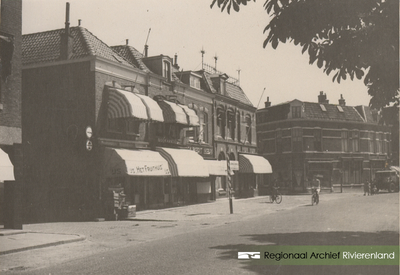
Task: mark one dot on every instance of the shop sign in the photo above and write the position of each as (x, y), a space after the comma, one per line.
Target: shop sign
(168, 140)
(234, 165)
(142, 170)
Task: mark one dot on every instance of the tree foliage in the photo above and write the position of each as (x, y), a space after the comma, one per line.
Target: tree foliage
(348, 38)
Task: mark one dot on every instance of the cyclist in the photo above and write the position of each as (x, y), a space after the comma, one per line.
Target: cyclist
(317, 187)
(274, 186)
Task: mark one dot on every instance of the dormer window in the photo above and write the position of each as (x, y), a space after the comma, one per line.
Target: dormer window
(194, 82)
(167, 70)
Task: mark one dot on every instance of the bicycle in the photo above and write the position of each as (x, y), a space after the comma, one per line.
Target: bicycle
(314, 197)
(275, 196)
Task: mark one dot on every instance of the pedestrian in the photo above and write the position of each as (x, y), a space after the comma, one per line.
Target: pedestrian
(367, 188)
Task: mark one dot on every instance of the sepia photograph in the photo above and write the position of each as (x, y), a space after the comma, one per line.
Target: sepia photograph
(199, 137)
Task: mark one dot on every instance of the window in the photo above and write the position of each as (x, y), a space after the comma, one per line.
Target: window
(167, 70)
(372, 142)
(356, 141)
(322, 107)
(231, 125)
(345, 147)
(278, 141)
(317, 140)
(248, 128)
(296, 111)
(297, 139)
(194, 82)
(238, 126)
(204, 127)
(221, 121)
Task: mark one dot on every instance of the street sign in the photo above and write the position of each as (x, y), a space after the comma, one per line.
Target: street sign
(89, 145)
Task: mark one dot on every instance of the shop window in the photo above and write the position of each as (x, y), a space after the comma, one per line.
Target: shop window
(172, 131)
(132, 127)
(116, 125)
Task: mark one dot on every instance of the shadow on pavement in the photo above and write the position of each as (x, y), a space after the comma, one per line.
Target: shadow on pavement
(229, 252)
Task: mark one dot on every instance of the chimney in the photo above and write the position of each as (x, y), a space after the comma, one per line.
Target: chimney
(322, 98)
(342, 102)
(127, 42)
(146, 50)
(176, 60)
(79, 22)
(267, 103)
(66, 38)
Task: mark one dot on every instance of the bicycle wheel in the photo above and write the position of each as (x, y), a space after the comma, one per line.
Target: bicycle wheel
(312, 199)
(271, 199)
(278, 199)
(316, 200)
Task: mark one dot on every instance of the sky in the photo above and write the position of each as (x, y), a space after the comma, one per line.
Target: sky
(185, 27)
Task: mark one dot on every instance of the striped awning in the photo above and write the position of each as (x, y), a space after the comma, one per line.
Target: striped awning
(193, 118)
(6, 167)
(125, 104)
(119, 162)
(173, 113)
(184, 163)
(254, 164)
(154, 111)
(217, 167)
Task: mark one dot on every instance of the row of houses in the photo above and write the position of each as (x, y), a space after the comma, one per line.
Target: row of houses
(97, 118)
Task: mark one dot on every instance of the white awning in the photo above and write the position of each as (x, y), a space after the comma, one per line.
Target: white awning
(184, 163)
(173, 113)
(154, 111)
(119, 162)
(217, 167)
(193, 118)
(126, 104)
(6, 167)
(254, 164)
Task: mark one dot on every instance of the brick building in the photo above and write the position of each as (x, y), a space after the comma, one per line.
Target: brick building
(10, 101)
(100, 119)
(343, 145)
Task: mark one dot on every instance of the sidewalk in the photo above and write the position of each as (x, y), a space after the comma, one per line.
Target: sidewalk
(147, 224)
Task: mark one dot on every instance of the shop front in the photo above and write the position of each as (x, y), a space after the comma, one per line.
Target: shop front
(142, 176)
(216, 169)
(190, 181)
(251, 169)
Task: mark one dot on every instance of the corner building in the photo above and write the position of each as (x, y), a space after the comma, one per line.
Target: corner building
(342, 145)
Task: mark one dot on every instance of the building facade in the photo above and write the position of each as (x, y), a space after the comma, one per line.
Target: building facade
(343, 145)
(10, 101)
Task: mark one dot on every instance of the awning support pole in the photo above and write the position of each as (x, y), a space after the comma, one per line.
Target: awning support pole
(229, 178)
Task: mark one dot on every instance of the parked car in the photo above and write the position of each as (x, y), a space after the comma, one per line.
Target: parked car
(387, 180)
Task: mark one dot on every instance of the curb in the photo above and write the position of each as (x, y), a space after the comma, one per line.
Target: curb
(79, 238)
